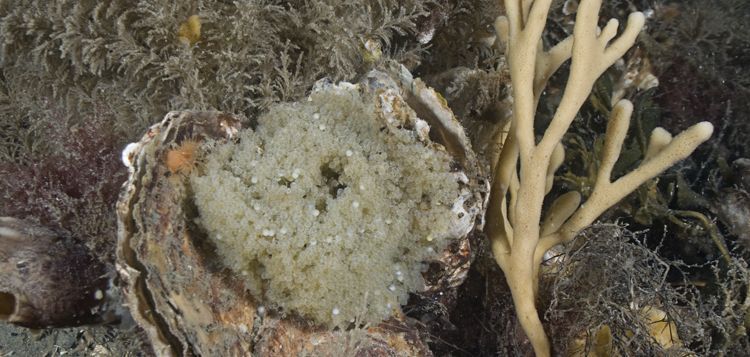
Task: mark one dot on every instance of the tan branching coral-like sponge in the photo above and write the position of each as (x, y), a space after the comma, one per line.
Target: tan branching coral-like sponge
(524, 171)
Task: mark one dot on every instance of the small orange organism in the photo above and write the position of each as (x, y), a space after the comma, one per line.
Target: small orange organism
(189, 31)
(183, 158)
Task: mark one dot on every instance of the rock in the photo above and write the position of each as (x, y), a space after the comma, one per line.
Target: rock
(48, 279)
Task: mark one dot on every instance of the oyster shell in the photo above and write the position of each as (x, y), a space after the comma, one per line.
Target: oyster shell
(189, 304)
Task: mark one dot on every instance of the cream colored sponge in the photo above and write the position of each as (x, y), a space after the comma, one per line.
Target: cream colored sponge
(326, 209)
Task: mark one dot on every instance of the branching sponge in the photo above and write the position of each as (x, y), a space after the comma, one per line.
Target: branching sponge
(524, 170)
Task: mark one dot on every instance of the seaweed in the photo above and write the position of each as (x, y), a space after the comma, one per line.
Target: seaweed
(589, 294)
(244, 56)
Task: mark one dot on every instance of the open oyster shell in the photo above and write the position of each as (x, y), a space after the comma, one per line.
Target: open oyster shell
(189, 304)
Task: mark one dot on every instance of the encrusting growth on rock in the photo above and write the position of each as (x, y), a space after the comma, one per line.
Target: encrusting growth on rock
(524, 172)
